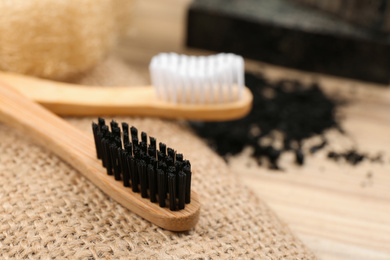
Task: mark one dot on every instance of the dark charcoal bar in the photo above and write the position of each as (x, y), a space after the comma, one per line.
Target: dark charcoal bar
(160, 175)
(286, 34)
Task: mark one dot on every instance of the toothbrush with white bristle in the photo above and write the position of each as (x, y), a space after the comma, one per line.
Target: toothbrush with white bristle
(189, 87)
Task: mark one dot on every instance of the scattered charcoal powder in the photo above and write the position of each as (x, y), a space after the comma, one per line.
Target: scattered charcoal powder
(296, 110)
(354, 157)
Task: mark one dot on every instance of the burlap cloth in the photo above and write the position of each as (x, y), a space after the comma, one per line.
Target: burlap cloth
(48, 210)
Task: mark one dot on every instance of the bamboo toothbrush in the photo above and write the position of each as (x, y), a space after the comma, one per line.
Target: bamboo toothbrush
(78, 149)
(188, 87)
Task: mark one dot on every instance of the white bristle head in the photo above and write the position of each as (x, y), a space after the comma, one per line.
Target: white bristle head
(190, 79)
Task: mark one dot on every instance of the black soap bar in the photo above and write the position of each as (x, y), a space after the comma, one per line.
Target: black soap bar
(287, 34)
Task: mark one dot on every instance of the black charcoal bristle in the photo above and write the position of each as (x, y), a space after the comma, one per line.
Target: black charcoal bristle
(119, 165)
(181, 187)
(134, 139)
(172, 191)
(187, 171)
(114, 161)
(179, 157)
(160, 156)
(152, 183)
(163, 148)
(129, 148)
(101, 122)
(163, 166)
(144, 137)
(134, 131)
(157, 175)
(116, 131)
(169, 161)
(153, 161)
(118, 141)
(107, 154)
(143, 177)
(153, 141)
(104, 129)
(125, 128)
(144, 147)
(136, 152)
(113, 125)
(171, 153)
(179, 165)
(124, 157)
(152, 151)
(162, 192)
(126, 138)
(95, 130)
(99, 145)
(134, 175)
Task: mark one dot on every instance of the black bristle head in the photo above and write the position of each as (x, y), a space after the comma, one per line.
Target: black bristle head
(157, 175)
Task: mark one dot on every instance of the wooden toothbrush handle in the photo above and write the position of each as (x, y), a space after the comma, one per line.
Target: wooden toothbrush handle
(77, 148)
(78, 100)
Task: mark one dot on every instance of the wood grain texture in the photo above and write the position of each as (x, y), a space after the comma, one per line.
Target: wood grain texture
(77, 148)
(76, 100)
(339, 211)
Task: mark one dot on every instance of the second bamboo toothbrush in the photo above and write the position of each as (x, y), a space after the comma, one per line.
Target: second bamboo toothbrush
(194, 88)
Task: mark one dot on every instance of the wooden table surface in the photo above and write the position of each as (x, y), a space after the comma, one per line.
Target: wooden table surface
(340, 211)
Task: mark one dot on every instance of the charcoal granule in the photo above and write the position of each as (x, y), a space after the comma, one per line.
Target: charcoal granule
(353, 156)
(296, 110)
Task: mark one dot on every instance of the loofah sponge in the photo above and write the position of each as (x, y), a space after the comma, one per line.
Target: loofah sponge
(55, 39)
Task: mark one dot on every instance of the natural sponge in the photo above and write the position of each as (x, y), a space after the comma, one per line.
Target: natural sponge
(55, 38)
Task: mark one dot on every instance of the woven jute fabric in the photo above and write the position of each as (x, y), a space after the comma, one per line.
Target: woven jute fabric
(48, 210)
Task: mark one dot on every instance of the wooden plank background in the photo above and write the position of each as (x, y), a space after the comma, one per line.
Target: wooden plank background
(338, 210)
